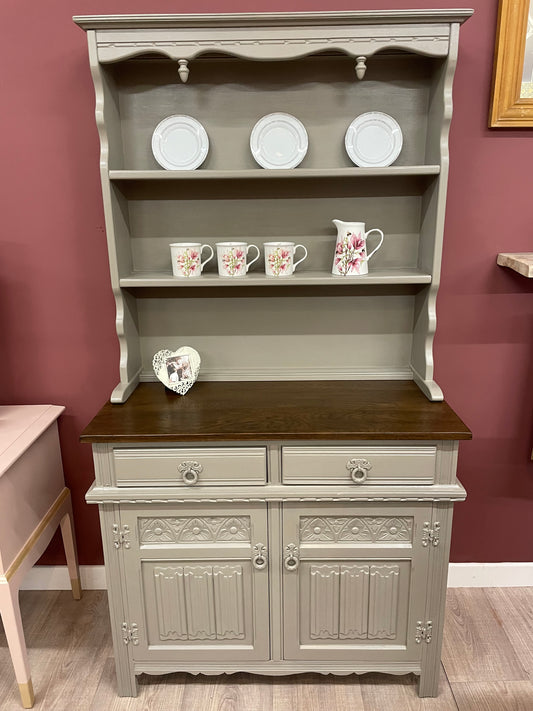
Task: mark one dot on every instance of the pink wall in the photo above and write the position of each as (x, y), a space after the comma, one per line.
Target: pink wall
(57, 310)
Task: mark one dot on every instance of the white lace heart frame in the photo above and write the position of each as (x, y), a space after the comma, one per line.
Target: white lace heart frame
(177, 370)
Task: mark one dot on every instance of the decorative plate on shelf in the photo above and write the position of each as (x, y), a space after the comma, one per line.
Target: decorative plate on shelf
(180, 143)
(279, 141)
(373, 140)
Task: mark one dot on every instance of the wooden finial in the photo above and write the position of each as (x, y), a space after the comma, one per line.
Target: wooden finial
(360, 67)
(183, 69)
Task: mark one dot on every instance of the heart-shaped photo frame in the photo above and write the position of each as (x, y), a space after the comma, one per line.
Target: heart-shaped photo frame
(177, 370)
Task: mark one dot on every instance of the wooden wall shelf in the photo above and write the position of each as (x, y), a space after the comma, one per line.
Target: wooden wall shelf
(521, 262)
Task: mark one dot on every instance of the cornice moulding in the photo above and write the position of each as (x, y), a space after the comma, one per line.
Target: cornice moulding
(103, 22)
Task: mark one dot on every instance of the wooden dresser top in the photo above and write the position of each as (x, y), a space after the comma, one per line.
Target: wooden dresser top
(316, 410)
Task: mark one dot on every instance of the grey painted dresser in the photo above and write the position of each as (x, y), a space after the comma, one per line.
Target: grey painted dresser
(293, 511)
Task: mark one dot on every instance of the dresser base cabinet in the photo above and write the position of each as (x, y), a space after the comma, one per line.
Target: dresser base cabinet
(275, 578)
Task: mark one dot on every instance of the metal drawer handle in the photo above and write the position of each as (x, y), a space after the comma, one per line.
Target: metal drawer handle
(260, 557)
(292, 558)
(189, 472)
(358, 469)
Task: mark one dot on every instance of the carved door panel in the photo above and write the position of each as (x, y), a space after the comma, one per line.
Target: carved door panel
(354, 581)
(198, 582)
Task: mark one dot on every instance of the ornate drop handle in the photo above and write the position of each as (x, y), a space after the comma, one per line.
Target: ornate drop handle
(260, 557)
(358, 469)
(292, 557)
(189, 472)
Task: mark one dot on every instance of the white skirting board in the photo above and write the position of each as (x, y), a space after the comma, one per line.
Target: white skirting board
(461, 575)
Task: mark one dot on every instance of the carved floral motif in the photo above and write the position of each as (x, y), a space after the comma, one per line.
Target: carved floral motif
(371, 529)
(194, 529)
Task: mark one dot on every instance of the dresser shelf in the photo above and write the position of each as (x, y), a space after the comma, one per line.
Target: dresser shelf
(299, 278)
(261, 174)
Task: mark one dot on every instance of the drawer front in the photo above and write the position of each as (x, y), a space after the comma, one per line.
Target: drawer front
(173, 466)
(359, 465)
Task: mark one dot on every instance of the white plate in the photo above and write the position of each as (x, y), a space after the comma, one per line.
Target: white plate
(279, 141)
(180, 143)
(373, 140)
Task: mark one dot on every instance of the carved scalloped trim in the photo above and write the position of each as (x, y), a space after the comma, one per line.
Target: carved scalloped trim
(278, 48)
(278, 668)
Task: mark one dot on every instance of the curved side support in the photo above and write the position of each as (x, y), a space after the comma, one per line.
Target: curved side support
(123, 390)
(99, 100)
(447, 112)
(432, 226)
(128, 338)
(429, 387)
(117, 229)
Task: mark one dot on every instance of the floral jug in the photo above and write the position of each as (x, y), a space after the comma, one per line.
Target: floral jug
(351, 258)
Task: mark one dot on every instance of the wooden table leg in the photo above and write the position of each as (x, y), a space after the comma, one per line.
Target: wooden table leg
(10, 610)
(67, 533)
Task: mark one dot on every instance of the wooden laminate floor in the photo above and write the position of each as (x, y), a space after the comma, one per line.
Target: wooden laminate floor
(487, 665)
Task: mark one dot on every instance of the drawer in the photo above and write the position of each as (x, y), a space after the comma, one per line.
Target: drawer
(180, 466)
(359, 465)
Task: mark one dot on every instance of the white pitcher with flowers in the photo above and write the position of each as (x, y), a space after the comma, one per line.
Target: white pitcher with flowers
(351, 258)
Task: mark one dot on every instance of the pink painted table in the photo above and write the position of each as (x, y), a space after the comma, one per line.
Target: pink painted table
(33, 503)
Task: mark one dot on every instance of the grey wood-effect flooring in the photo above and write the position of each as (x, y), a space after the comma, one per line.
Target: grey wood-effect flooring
(487, 665)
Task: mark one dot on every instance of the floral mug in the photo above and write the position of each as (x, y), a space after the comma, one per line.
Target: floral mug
(351, 258)
(186, 258)
(231, 258)
(279, 258)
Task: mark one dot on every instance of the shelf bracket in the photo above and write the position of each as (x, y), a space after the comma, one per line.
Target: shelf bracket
(360, 67)
(183, 69)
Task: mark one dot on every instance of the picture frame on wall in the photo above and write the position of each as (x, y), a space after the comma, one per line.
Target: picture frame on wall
(512, 80)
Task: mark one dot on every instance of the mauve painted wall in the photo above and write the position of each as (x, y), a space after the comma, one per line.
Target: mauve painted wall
(57, 310)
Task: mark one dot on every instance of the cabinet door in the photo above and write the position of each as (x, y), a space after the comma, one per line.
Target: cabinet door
(197, 581)
(354, 581)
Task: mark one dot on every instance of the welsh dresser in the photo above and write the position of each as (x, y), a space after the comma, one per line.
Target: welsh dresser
(293, 511)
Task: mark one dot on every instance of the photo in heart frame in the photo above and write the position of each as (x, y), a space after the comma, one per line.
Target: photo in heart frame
(177, 370)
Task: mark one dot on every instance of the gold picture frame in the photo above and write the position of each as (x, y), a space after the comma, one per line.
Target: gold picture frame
(512, 96)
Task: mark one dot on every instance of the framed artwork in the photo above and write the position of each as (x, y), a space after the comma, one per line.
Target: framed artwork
(177, 370)
(512, 81)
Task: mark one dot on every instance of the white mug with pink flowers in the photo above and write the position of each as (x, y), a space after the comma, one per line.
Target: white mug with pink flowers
(187, 258)
(279, 258)
(232, 258)
(351, 258)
